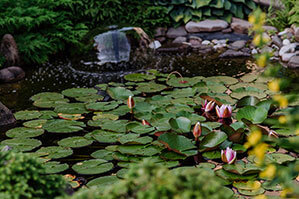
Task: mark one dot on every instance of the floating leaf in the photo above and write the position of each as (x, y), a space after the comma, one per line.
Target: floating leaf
(138, 128)
(105, 136)
(212, 140)
(74, 142)
(27, 115)
(150, 87)
(141, 150)
(103, 181)
(253, 192)
(247, 101)
(103, 154)
(55, 152)
(90, 98)
(250, 77)
(171, 155)
(100, 116)
(102, 106)
(63, 126)
(251, 113)
(119, 93)
(71, 108)
(70, 116)
(232, 176)
(50, 96)
(37, 124)
(23, 132)
(180, 124)
(79, 92)
(212, 155)
(55, 167)
(116, 126)
(134, 139)
(22, 144)
(178, 143)
(242, 168)
(45, 103)
(139, 77)
(222, 79)
(47, 115)
(91, 167)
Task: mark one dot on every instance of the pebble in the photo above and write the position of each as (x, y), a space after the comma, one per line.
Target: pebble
(286, 42)
(205, 42)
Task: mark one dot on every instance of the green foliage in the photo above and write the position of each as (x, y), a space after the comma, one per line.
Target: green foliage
(182, 11)
(40, 27)
(22, 176)
(150, 181)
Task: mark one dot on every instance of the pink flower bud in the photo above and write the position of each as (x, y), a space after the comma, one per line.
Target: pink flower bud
(131, 102)
(228, 156)
(197, 130)
(225, 111)
(208, 106)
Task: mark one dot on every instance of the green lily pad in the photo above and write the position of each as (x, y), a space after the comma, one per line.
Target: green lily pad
(253, 192)
(176, 108)
(90, 98)
(102, 86)
(51, 96)
(116, 126)
(103, 181)
(91, 167)
(27, 115)
(255, 115)
(119, 93)
(47, 115)
(71, 108)
(138, 128)
(183, 82)
(212, 155)
(23, 132)
(215, 87)
(134, 139)
(141, 150)
(171, 155)
(79, 92)
(74, 142)
(247, 101)
(232, 176)
(222, 79)
(102, 106)
(278, 158)
(178, 143)
(37, 124)
(55, 152)
(63, 126)
(100, 116)
(150, 87)
(250, 77)
(268, 185)
(45, 103)
(103, 154)
(247, 185)
(55, 167)
(180, 124)
(139, 77)
(242, 168)
(104, 136)
(22, 144)
(70, 116)
(212, 140)
(122, 173)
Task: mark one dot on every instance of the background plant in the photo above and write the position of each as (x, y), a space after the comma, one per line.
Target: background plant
(22, 176)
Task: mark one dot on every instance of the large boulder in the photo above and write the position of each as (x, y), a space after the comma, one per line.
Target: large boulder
(240, 26)
(296, 33)
(206, 26)
(6, 116)
(294, 62)
(173, 33)
(9, 49)
(233, 53)
(11, 74)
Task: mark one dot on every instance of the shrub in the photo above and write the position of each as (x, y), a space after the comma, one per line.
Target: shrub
(150, 181)
(22, 177)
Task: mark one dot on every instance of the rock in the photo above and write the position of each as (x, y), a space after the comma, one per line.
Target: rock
(179, 40)
(267, 37)
(287, 49)
(267, 49)
(176, 32)
(6, 116)
(205, 42)
(287, 56)
(273, 3)
(9, 49)
(294, 62)
(161, 39)
(193, 40)
(240, 26)
(286, 42)
(219, 46)
(285, 31)
(254, 51)
(227, 30)
(277, 41)
(155, 44)
(233, 53)
(270, 28)
(230, 37)
(160, 32)
(237, 45)
(206, 26)
(296, 33)
(246, 50)
(11, 74)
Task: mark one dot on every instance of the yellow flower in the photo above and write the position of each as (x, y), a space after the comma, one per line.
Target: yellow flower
(284, 193)
(253, 138)
(282, 119)
(251, 19)
(260, 197)
(274, 85)
(257, 39)
(283, 101)
(269, 172)
(262, 60)
(297, 132)
(259, 151)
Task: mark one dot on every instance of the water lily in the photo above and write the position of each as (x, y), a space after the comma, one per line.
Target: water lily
(228, 155)
(197, 130)
(144, 122)
(208, 106)
(225, 111)
(131, 103)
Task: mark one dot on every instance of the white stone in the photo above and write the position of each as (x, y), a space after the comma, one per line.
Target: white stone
(205, 42)
(206, 26)
(179, 40)
(254, 51)
(287, 56)
(287, 49)
(219, 46)
(155, 44)
(286, 42)
(283, 32)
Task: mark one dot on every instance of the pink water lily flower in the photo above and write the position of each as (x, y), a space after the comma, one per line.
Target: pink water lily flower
(208, 106)
(131, 103)
(228, 156)
(225, 111)
(197, 130)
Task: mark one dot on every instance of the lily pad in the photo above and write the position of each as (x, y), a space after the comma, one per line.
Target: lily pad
(116, 126)
(253, 192)
(22, 144)
(250, 77)
(102, 106)
(70, 116)
(37, 124)
(50, 96)
(90, 98)
(47, 115)
(79, 92)
(139, 128)
(134, 139)
(92, 167)
(45, 103)
(23, 132)
(103, 154)
(27, 115)
(212, 155)
(177, 143)
(55, 152)
(139, 77)
(119, 93)
(242, 168)
(63, 126)
(141, 150)
(171, 155)
(105, 136)
(233, 177)
(150, 87)
(247, 101)
(74, 142)
(103, 181)
(180, 124)
(55, 167)
(255, 115)
(247, 185)
(222, 79)
(212, 139)
(71, 108)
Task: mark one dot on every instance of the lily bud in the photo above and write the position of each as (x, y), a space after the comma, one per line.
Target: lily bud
(228, 156)
(131, 103)
(197, 130)
(208, 106)
(273, 134)
(225, 111)
(144, 122)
